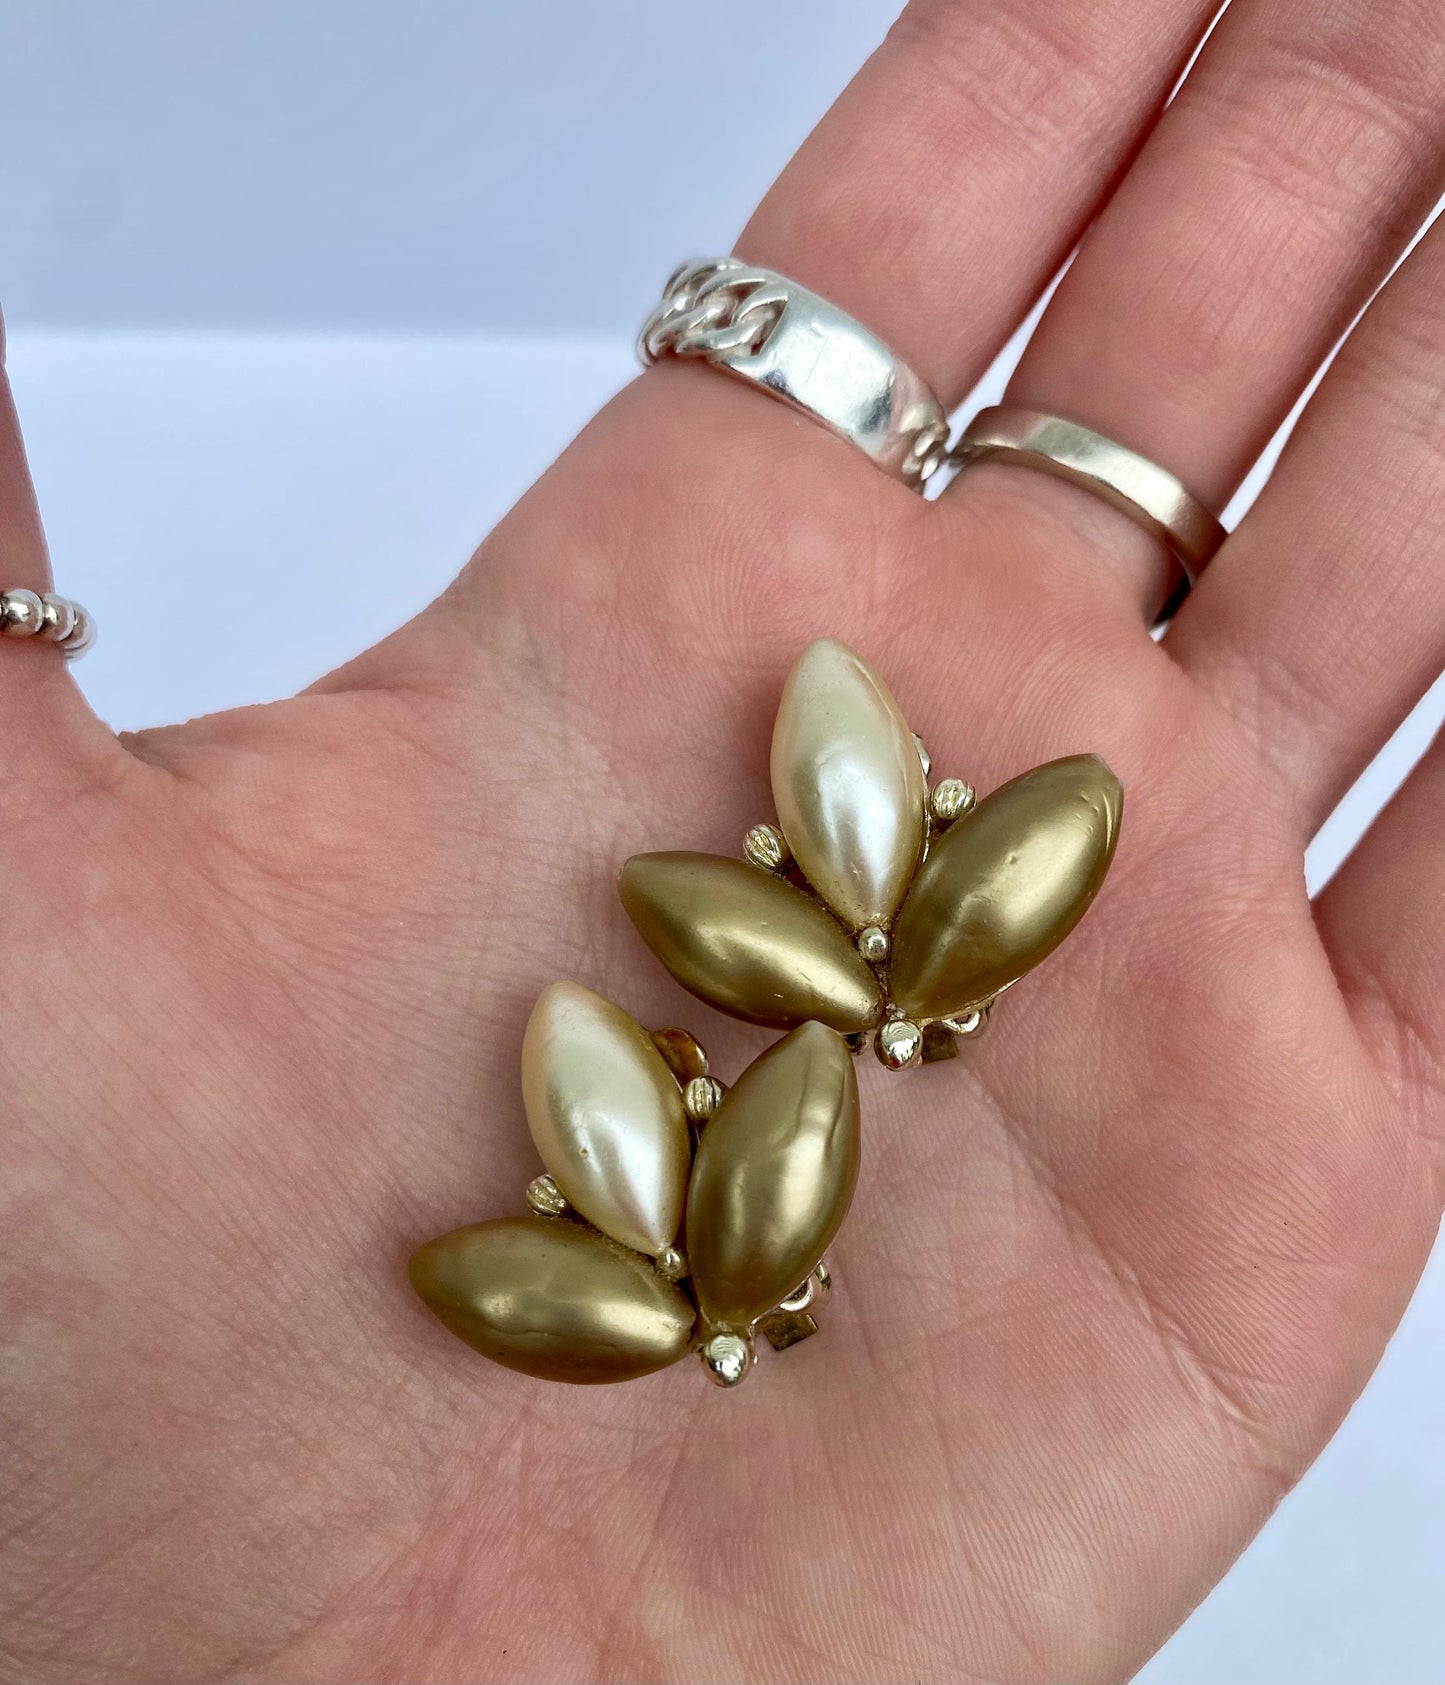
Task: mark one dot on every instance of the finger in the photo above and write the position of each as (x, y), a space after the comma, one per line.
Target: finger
(23, 559)
(1301, 153)
(1382, 919)
(932, 202)
(40, 707)
(1323, 620)
(941, 192)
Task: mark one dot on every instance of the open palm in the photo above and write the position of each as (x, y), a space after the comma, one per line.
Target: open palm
(1110, 1279)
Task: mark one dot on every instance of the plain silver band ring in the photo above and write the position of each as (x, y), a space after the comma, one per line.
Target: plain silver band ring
(796, 346)
(1149, 495)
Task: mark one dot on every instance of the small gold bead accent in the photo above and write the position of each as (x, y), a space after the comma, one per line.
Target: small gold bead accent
(766, 846)
(899, 1044)
(702, 1097)
(545, 1197)
(873, 944)
(951, 799)
(683, 1053)
(671, 1263)
(727, 1358)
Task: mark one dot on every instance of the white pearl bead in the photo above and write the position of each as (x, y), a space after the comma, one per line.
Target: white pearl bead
(848, 784)
(606, 1114)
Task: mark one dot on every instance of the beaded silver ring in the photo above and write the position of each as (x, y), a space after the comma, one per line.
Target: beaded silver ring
(54, 619)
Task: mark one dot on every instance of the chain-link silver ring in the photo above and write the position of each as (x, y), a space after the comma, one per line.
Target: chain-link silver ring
(800, 348)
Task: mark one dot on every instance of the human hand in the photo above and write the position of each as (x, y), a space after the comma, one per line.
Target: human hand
(1110, 1279)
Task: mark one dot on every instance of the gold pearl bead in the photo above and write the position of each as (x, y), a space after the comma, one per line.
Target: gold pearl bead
(748, 942)
(997, 895)
(554, 1300)
(773, 1177)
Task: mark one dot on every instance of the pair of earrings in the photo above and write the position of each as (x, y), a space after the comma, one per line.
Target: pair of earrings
(675, 1214)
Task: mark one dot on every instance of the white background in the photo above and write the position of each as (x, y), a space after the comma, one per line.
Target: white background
(292, 291)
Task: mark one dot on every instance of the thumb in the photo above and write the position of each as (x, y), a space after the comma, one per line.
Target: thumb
(46, 726)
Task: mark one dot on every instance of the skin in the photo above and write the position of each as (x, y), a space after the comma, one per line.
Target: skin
(1110, 1280)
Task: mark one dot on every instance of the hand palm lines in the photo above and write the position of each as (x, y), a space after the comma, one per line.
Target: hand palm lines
(1058, 1234)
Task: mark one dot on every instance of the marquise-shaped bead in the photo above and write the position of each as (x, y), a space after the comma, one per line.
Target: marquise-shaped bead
(848, 784)
(747, 942)
(774, 1176)
(606, 1114)
(554, 1299)
(1005, 885)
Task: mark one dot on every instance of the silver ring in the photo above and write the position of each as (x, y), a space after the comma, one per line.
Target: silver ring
(1149, 495)
(55, 620)
(795, 345)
